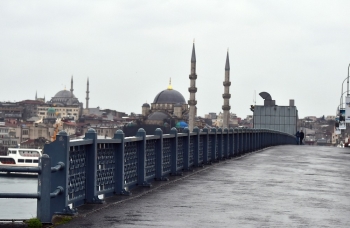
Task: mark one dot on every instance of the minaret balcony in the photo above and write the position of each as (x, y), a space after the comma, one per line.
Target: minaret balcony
(193, 76)
(192, 89)
(227, 83)
(226, 107)
(190, 102)
(226, 95)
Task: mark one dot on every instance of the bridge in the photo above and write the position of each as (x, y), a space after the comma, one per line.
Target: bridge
(91, 174)
(282, 186)
(72, 173)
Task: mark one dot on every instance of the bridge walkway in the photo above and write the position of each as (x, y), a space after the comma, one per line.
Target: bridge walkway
(283, 186)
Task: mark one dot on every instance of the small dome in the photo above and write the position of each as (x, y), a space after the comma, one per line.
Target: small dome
(145, 105)
(169, 96)
(158, 116)
(177, 105)
(64, 94)
(51, 110)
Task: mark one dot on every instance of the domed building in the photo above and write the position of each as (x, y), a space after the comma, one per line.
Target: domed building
(65, 104)
(64, 98)
(168, 106)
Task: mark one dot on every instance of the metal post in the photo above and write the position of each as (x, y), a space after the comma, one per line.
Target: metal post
(186, 146)
(213, 144)
(205, 145)
(196, 147)
(119, 187)
(141, 150)
(235, 142)
(44, 213)
(174, 148)
(231, 151)
(159, 155)
(220, 146)
(225, 143)
(58, 151)
(91, 171)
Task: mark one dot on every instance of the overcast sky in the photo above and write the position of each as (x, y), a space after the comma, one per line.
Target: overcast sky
(129, 49)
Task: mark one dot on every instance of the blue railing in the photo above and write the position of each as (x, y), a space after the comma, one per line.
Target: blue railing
(44, 194)
(115, 166)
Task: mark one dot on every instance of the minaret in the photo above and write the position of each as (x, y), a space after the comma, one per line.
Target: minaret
(87, 94)
(71, 85)
(192, 89)
(226, 107)
(36, 95)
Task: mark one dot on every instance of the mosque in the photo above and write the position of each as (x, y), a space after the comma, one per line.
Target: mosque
(168, 108)
(63, 104)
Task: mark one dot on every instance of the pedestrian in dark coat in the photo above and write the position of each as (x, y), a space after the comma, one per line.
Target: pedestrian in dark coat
(301, 137)
(297, 135)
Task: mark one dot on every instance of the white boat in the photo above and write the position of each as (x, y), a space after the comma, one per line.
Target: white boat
(21, 157)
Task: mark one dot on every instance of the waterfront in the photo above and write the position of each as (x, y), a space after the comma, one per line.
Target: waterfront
(17, 208)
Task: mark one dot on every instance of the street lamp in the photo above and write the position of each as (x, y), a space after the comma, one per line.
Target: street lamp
(342, 85)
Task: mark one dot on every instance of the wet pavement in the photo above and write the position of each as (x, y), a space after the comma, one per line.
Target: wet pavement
(284, 186)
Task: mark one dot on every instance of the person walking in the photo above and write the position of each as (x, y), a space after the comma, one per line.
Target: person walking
(301, 137)
(297, 135)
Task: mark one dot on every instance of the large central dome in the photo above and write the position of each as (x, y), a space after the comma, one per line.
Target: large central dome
(64, 94)
(169, 96)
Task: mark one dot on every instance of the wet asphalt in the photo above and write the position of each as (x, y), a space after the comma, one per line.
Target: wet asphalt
(284, 186)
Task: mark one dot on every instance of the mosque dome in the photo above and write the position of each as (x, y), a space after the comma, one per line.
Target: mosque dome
(64, 94)
(51, 110)
(145, 105)
(158, 116)
(169, 96)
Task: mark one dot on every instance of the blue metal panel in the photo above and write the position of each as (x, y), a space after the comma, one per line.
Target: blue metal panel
(180, 153)
(130, 164)
(105, 167)
(191, 152)
(77, 174)
(166, 155)
(150, 168)
(200, 151)
(210, 146)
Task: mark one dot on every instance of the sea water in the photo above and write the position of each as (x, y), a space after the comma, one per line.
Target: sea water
(18, 208)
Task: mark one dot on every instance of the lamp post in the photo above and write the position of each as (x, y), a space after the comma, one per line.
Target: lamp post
(342, 85)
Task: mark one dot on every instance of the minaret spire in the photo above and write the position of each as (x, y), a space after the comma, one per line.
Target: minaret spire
(226, 107)
(36, 95)
(87, 94)
(71, 86)
(227, 65)
(192, 89)
(193, 57)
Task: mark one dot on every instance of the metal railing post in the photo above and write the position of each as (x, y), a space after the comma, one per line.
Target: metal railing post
(58, 151)
(119, 187)
(196, 147)
(141, 150)
(44, 213)
(91, 171)
(186, 147)
(213, 144)
(205, 145)
(159, 155)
